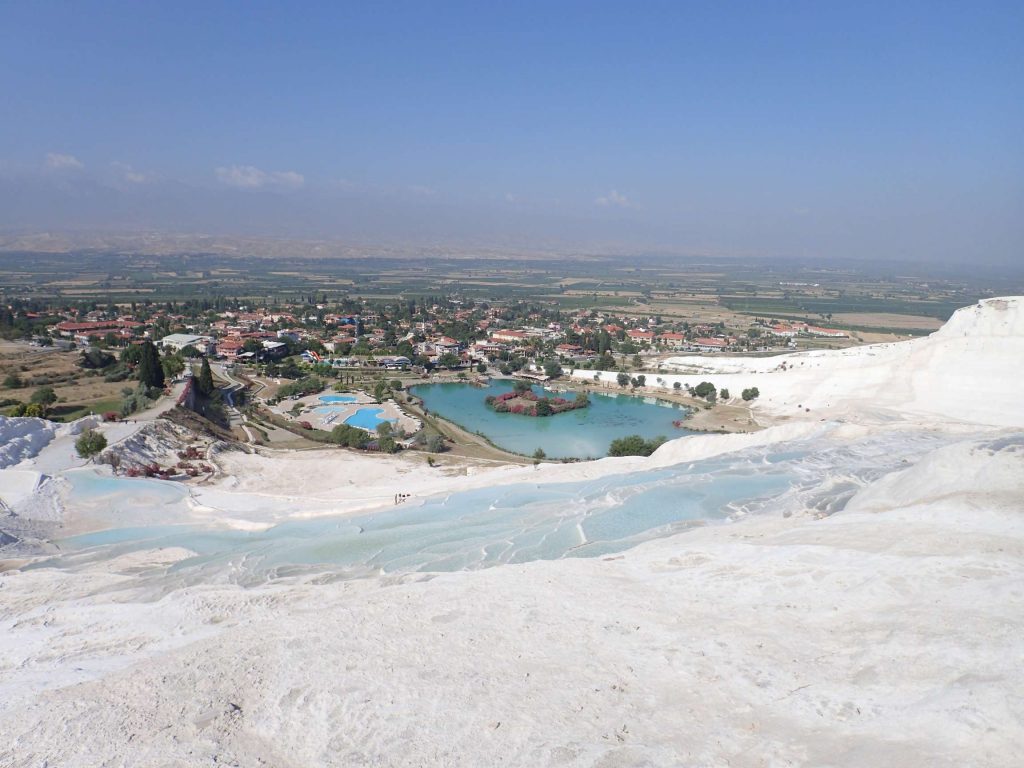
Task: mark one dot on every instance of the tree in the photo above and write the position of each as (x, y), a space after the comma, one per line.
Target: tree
(552, 369)
(205, 381)
(539, 454)
(582, 399)
(89, 443)
(641, 380)
(173, 365)
(150, 372)
(385, 429)
(396, 385)
(44, 397)
(634, 445)
(623, 379)
(481, 367)
(132, 354)
(435, 444)
(448, 360)
(32, 409)
(543, 408)
(521, 387)
(347, 435)
(723, 393)
(13, 381)
(94, 358)
(705, 389)
(751, 393)
(677, 386)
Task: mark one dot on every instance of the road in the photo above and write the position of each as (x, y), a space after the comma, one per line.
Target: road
(236, 417)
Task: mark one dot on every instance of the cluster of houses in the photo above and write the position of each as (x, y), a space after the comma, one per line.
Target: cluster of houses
(790, 330)
(398, 341)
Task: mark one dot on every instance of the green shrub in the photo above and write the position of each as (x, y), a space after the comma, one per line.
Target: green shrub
(89, 443)
(634, 445)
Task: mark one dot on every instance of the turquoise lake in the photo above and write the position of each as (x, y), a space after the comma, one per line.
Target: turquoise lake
(580, 434)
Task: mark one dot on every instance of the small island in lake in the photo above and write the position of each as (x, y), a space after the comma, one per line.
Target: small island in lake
(524, 401)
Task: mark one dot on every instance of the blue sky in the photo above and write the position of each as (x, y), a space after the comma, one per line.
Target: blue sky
(809, 129)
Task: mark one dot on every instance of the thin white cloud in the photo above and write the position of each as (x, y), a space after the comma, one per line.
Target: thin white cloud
(251, 177)
(421, 191)
(614, 200)
(56, 161)
(128, 174)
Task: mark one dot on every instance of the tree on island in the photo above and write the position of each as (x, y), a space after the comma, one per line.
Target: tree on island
(543, 408)
(150, 372)
(521, 387)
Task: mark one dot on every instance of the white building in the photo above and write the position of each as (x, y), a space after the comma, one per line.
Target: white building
(178, 341)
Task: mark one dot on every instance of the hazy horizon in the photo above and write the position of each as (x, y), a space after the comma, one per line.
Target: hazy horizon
(802, 131)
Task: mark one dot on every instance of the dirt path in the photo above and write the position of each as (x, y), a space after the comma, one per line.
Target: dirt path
(466, 443)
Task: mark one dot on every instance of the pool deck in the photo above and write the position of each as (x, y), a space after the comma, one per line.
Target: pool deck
(327, 416)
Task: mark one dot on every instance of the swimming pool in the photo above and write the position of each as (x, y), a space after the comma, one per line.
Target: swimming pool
(368, 419)
(337, 398)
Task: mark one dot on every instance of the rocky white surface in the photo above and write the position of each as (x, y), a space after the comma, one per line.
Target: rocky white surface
(890, 633)
(966, 371)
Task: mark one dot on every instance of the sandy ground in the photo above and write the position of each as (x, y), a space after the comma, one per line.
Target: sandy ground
(887, 634)
(886, 320)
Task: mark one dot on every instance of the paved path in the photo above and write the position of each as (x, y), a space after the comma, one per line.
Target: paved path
(237, 418)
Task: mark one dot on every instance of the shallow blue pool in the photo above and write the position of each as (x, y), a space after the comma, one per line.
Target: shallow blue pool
(368, 419)
(490, 526)
(337, 398)
(474, 529)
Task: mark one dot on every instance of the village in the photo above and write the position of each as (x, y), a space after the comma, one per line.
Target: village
(298, 374)
(449, 333)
